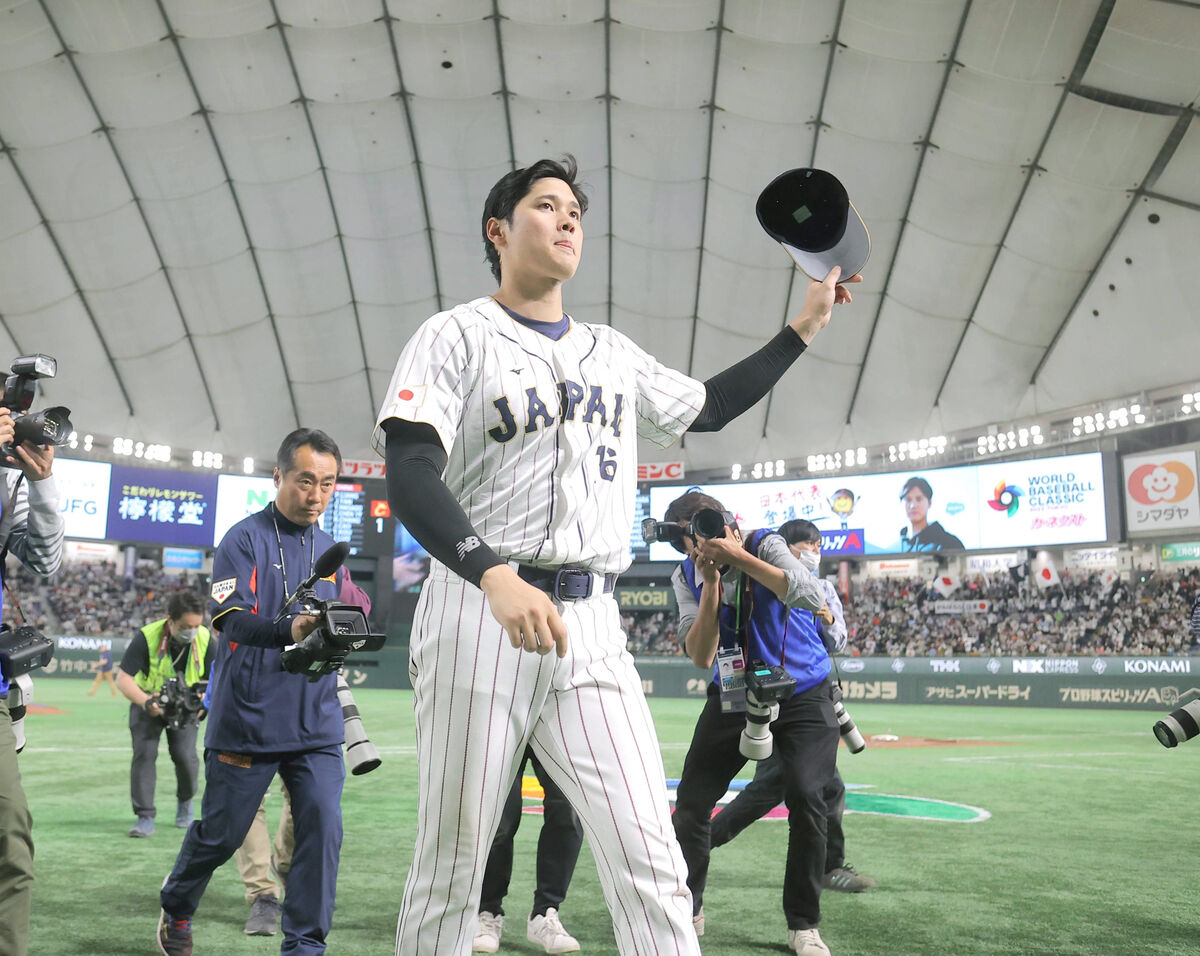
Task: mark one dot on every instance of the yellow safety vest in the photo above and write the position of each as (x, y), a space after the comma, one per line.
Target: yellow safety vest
(161, 665)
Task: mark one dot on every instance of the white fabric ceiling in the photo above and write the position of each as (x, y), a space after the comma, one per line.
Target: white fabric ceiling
(225, 218)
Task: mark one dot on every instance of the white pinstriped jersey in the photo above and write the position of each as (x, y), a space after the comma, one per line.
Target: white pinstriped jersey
(541, 435)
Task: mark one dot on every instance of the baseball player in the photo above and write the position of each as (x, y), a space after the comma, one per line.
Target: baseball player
(510, 433)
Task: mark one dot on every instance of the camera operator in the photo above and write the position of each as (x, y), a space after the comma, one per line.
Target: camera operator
(752, 598)
(31, 528)
(177, 646)
(765, 791)
(265, 720)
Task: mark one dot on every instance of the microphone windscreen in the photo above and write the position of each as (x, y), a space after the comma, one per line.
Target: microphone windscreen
(331, 560)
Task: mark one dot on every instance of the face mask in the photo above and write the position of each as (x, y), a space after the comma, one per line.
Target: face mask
(810, 559)
(185, 636)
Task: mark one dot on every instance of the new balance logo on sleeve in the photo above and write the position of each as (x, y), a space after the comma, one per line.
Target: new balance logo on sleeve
(466, 546)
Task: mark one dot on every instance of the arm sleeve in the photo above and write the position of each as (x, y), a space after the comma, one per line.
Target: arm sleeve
(688, 606)
(837, 631)
(741, 386)
(421, 501)
(36, 527)
(254, 630)
(233, 604)
(803, 588)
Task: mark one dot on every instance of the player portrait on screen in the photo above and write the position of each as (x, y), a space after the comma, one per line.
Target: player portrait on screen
(920, 534)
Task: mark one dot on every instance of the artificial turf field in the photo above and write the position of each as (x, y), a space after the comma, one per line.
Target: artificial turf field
(1091, 847)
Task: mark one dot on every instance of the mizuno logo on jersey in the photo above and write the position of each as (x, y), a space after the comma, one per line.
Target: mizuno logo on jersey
(573, 404)
(467, 545)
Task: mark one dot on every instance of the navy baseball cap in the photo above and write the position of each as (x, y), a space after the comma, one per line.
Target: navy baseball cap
(809, 213)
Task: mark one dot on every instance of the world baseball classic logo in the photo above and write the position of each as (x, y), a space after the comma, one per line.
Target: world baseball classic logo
(1005, 498)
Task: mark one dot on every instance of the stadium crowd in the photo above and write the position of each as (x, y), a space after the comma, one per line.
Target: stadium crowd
(97, 599)
(890, 616)
(1082, 615)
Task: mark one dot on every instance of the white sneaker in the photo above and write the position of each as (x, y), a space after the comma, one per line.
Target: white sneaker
(698, 922)
(548, 932)
(487, 934)
(807, 942)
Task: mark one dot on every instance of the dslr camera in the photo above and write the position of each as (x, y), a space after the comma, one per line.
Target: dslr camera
(22, 650)
(705, 523)
(181, 703)
(766, 686)
(341, 628)
(51, 426)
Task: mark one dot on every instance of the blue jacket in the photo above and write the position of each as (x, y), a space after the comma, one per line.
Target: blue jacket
(777, 634)
(257, 706)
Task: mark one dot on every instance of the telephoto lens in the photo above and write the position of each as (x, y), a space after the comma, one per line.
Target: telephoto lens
(361, 754)
(756, 742)
(1179, 725)
(854, 740)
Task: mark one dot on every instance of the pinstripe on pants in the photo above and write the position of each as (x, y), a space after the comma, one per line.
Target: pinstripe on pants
(478, 702)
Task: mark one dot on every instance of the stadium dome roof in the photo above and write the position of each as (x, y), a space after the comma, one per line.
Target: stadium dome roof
(225, 218)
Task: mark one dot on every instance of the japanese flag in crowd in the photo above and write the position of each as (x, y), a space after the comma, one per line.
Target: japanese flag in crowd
(946, 583)
(1045, 572)
(1108, 577)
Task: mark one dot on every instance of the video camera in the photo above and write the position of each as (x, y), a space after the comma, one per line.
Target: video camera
(181, 703)
(51, 426)
(766, 686)
(342, 628)
(705, 523)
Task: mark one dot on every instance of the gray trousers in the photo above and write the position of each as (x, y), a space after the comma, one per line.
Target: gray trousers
(16, 846)
(146, 731)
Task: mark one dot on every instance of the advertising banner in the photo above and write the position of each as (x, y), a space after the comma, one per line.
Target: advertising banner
(1030, 503)
(83, 496)
(239, 496)
(645, 599)
(961, 607)
(1091, 559)
(1180, 551)
(1160, 491)
(184, 558)
(153, 504)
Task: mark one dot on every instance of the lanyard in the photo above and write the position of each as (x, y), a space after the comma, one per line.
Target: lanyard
(312, 551)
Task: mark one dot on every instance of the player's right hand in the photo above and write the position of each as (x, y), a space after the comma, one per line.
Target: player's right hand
(526, 613)
(302, 626)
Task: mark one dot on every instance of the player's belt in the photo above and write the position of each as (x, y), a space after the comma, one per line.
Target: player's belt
(567, 584)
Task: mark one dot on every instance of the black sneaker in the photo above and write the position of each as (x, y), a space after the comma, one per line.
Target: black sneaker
(846, 879)
(264, 916)
(174, 936)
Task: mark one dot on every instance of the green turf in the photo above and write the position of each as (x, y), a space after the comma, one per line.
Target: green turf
(1091, 847)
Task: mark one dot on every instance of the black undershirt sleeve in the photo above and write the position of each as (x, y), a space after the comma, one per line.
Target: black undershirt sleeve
(731, 392)
(421, 502)
(254, 630)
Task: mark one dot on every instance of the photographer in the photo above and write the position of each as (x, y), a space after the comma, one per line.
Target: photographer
(765, 791)
(176, 647)
(752, 599)
(265, 720)
(31, 528)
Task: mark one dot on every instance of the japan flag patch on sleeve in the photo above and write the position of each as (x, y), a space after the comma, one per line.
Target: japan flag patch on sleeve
(222, 589)
(406, 399)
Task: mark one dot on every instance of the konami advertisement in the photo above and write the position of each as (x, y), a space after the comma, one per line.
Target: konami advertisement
(1031, 503)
